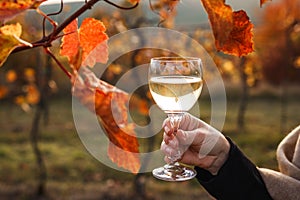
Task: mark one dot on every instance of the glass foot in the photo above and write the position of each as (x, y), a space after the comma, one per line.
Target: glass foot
(174, 172)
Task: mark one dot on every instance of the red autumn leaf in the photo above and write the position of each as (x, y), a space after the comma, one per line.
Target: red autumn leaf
(91, 35)
(11, 8)
(70, 43)
(263, 2)
(86, 46)
(108, 103)
(232, 29)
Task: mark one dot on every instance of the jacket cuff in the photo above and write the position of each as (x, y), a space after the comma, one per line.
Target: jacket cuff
(238, 178)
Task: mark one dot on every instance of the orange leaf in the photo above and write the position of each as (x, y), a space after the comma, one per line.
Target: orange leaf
(33, 94)
(134, 1)
(11, 8)
(98, 54)
(92, 37)
(29, 75)
(86, 46)
(3, 91)
(70, 42)
(108, 103)
(21, 101)
(262, 2)
(232, 30)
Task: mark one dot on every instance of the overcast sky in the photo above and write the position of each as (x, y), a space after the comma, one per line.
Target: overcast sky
(191, 11)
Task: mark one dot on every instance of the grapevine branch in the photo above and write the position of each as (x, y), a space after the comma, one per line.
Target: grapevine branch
(46, 17)
(57, 62)
(47, 40)
(153, 9)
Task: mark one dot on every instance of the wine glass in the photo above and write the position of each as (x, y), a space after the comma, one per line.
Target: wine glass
(175, 84)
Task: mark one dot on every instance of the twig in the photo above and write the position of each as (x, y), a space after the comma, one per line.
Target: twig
(47, 40)
(121, 7)
(58, 63)
(157, 13)
(46, 16)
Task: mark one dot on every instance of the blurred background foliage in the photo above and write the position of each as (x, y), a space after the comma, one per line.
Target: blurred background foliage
(262, 104)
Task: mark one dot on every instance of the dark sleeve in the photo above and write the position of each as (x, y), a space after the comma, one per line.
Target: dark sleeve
(237, 179)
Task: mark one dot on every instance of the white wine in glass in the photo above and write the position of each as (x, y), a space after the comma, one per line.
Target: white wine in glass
(175, 84)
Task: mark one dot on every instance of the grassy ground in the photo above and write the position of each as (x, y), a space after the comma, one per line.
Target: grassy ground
(74, 174)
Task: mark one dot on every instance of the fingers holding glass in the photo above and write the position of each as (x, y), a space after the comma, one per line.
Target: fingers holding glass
(173, 152)
(175, 84)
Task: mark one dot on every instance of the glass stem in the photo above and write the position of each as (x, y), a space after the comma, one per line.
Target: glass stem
(175, 119)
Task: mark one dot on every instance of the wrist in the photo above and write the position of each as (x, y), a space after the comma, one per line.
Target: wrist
(221, 157)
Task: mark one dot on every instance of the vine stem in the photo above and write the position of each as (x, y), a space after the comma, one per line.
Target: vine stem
(121, 7)
(47, 40)
(58, 63)
(163, 19)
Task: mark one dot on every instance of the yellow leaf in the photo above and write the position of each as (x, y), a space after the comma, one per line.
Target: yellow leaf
(11, 76)
(11, 8)
(115, 69)
(12, 29)
(297, 62)
(29, 74)
(33, 94)
(19, 100)
(8, 40)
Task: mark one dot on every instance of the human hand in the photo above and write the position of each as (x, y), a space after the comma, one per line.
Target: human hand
(198, 143)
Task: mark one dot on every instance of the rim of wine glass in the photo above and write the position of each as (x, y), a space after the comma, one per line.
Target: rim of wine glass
(175, 59)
